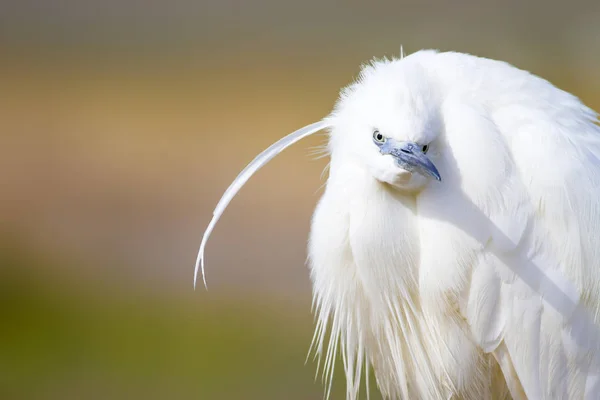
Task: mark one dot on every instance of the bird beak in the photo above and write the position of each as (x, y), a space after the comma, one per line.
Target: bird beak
(410, 157)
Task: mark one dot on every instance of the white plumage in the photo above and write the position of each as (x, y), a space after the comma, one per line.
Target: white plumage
(484, 285)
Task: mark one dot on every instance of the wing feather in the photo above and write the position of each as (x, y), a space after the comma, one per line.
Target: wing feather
(520, 251)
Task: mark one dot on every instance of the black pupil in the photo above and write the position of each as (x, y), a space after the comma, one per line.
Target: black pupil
(379, 136)
(425, 148)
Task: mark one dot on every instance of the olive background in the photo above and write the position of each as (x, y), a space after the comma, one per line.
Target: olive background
(121, 125)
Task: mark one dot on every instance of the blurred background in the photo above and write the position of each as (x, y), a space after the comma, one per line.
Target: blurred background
(122, 123)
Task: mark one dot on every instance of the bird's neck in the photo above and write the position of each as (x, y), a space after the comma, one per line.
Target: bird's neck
(383, 232)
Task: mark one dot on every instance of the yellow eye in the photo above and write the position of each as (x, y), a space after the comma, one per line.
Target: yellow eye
(425, 149)
(378, 137)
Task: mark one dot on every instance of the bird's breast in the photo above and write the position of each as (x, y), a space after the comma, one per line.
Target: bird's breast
(383, 237)
(364, 253)
(370, 229)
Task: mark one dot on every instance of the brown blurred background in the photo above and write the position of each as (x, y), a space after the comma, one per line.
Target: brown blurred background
(122, 123)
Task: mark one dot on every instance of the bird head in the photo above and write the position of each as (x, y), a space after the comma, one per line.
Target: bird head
(387, 122)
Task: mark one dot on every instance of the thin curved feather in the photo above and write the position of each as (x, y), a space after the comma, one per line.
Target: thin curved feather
(258, 162)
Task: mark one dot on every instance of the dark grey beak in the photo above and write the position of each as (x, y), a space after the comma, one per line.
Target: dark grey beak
(409, 156)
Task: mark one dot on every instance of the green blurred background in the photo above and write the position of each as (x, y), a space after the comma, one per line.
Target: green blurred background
(122, 122)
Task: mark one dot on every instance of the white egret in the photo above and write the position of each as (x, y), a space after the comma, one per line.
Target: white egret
(456, 247)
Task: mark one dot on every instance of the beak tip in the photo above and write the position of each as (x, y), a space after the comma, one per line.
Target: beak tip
(432, 172)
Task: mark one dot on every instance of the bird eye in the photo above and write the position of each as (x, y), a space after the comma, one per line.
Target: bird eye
(425, 148)
(378, 137)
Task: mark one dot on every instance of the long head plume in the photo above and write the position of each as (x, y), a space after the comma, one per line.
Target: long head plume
(258, 162)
